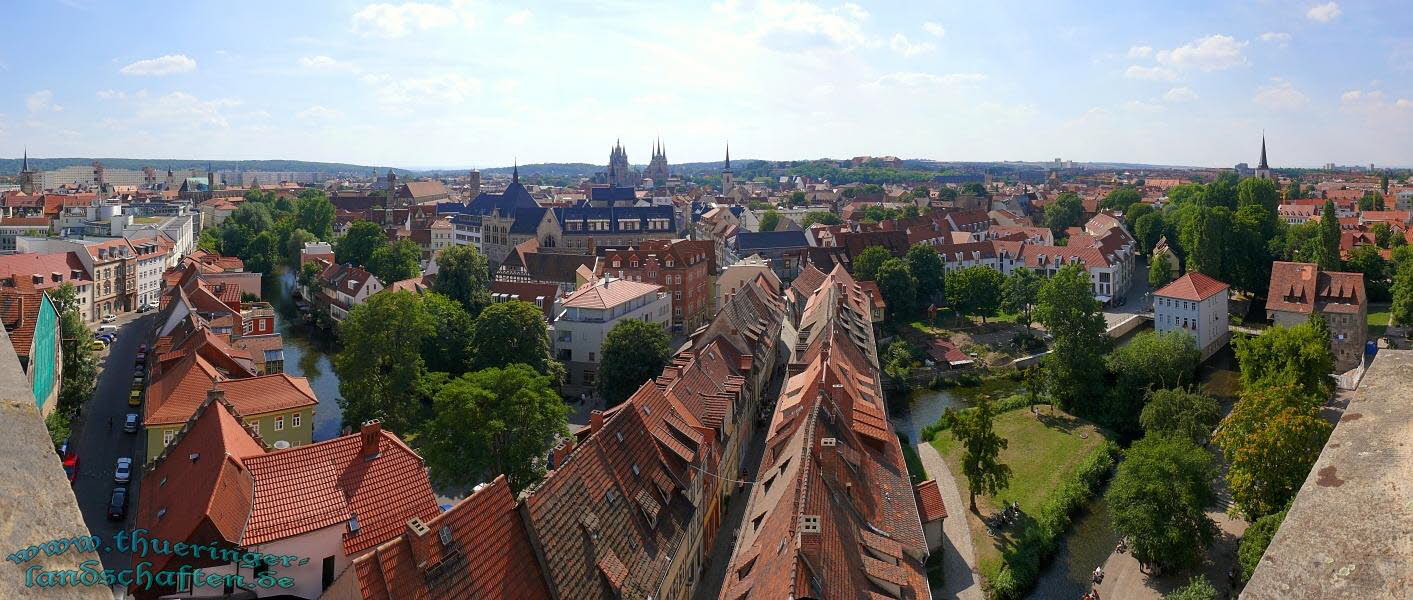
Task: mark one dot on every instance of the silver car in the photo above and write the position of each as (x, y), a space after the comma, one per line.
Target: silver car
(124, 471)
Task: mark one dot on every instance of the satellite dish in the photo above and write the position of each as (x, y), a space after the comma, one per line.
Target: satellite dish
(281, 445)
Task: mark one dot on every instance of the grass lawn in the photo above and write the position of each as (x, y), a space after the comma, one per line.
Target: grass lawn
(1042, 452)
(1378, 322)
(915, 470)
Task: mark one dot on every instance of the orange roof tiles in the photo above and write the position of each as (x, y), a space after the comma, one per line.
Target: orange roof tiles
(929, 501)
(607, 293)
(1194, 287)
(1304, 288)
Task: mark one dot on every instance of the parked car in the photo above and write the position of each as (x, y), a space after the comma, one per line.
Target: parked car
(142, 348)
(130, 423)
(123, 472)
(107, 329)
(97, 345)
(71, 461)
(109, 318)
(135, 398)
(118, 504)
(142, 358)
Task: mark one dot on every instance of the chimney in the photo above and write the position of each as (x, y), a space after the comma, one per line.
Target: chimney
(595, 420)
(370, 432)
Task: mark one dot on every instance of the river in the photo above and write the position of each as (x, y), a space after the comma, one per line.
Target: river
(308, 353)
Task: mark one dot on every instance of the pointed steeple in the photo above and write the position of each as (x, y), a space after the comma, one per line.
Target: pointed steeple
(1263, 164)
(24, 168)
(728, 156)
(515, 172)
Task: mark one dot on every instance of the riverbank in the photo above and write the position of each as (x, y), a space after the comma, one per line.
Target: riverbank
(309, 353)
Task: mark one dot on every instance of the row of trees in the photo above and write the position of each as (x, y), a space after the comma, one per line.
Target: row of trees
(366, 244)
(268, 230)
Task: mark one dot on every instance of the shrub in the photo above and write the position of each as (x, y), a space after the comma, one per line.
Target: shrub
(1197, 588)
(1254, 541)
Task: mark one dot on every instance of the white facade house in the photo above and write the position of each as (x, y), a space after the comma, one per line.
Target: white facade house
(590, 312)
(1195, 304)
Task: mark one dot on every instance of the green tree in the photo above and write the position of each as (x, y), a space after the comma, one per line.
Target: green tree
(235, 238)
(1401, 309)
(1134, 212)
(1159, 273)
(1255, 540)
(1158, 499)
(1204, 238)
(1020, 293)
(1075, 367)
(1183, 414)
(1383, 183)
(797, 198)
(1254, 191)
(449, 351)
(898, 362)
(512, 332)
(1371, 201)
(1368, 260)
(1298, 355)
(309, 275)
(1222, 191)
(357, 246)
(975, 291)
(381, 370)
(1247, 259)
(1150, 361)
(1271, 438)
(926, 265)
(899, 288)
(498, 420)
(866, 264)
(295, 245)
(463, 276)
(633, 353)
(314, 213)
(263, 254)
(1327, 251)
(1065, 212)
(1383, 234)
(1120, 198)
(80, 368)
(975, 430)
(1147, 229)
(396, 261)
(769, 220)
(254, 216)
(947, 194)
(1197, 588)
(822, 217)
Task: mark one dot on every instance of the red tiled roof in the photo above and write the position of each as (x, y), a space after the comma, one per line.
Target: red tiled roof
(1304, 288)
(929, 501)
(489, 555)
(607, 293)
(1194, 287)
(370, 476)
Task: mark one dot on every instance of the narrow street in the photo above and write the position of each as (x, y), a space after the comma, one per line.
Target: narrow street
(720, 556)
(99, 446)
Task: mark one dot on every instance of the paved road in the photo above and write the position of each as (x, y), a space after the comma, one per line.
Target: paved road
(98, 447)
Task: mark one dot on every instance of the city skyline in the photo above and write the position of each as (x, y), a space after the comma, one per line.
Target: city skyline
(428, 84)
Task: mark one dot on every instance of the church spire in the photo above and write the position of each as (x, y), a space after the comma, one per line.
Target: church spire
(728, 156)
(1263, 164)
(25, 167)
(515, 172)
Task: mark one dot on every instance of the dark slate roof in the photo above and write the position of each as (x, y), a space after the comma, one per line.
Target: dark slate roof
(757, 240)
(527, 220)
(612, 194)
(614, 214)
(515, 196)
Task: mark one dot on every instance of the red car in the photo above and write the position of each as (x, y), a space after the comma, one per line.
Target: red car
(71, 466)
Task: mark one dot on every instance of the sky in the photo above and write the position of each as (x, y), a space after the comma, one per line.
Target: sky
(471, 83)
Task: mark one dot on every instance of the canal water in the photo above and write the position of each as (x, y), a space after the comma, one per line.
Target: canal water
(308, 353)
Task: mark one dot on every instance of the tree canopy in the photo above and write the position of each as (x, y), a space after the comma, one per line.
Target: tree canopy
(769, 220)
(357, 246)
(381, 370)
(1271, 438)
(1158, 500)
(975, 291)
(632, 353)
(1183, 414)
(1149, 361)
(511, 332)
(314, 213)
(463, 276)
(899, 288)
(79, 370)
(498, 420)
(1065, 212)
(867, 262)
(449, 349)
(926, 265)
(1075, 367)
(1298, 355)
(1120, 198)
(1020, 293)
(396, 261)
(974, 429)
(822, 217)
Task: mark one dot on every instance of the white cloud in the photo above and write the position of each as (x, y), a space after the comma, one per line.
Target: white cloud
(1324, 13)
(914, 79)
(519, 17)
(326, 63)
(1275, 37)
(450, 88)
(1140, 51)
(902, 45)
(1373, 100)
(42, 101)
(178, 107)
(1150, 73)
(658, 99)
(1180, 94)
(163, 65)
(317, 112)
(1280, 95)
(391, 21)
(800, 25)
(1211, 53)
(1403, 103)
(1142, 106)
(934, 29)
(111, 95)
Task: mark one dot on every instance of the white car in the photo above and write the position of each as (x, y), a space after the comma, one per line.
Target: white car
(124, 471)
(109, 318)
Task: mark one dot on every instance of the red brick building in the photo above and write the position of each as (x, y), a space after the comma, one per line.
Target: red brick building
(683, 267)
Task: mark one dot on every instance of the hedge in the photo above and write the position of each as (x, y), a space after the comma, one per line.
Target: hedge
(1037, 544)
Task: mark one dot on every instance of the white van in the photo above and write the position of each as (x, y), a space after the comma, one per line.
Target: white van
(107, 329)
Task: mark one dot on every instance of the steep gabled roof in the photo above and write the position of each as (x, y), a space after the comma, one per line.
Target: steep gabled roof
(1194, 287)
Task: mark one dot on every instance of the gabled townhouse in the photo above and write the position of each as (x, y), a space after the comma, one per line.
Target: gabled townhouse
(587, 316)
(684, 268)
(342, 287)
(220, 484)
(47, 272)
(1299, 289)
(529, 263)
(1194, 304)
(738, 274)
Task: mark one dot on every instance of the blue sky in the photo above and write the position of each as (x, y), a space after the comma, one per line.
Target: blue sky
(467, 83)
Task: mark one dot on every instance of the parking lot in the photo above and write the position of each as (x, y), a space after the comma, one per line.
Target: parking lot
(98, 434)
